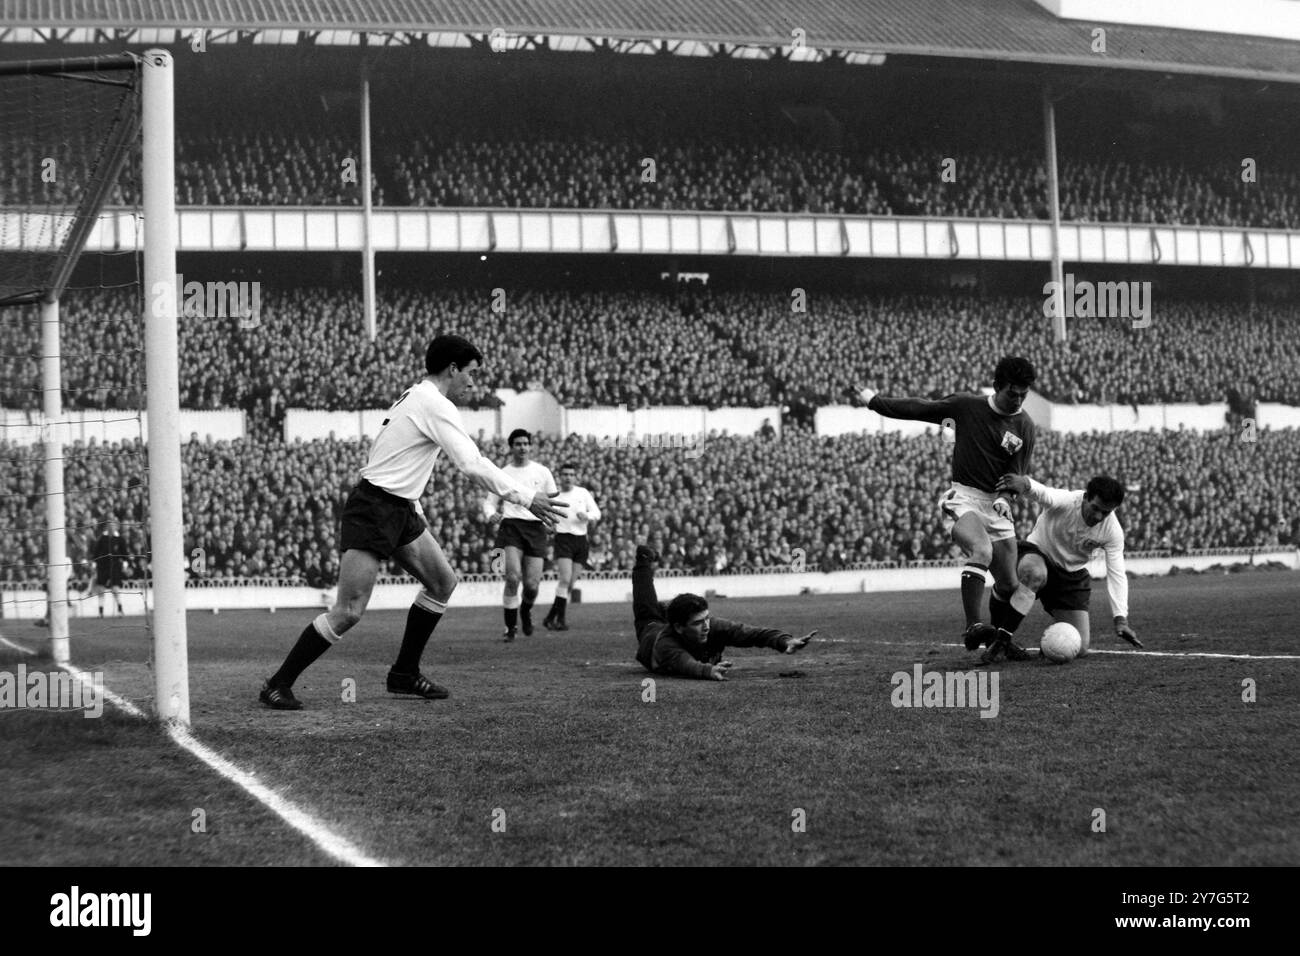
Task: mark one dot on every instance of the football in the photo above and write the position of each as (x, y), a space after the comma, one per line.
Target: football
(1061, 643)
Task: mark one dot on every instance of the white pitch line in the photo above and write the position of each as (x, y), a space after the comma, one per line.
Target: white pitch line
(326, 840)
(1234, 657)
(1137, 653)
(114, 699)
(1094, 650)
(329, 842)
(18, 647)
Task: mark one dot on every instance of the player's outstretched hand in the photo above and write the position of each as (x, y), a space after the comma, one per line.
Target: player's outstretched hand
(548, 508)
(867, 394)
(1017, 483)
(719, 670)
(797, 643)
(1122, 630)
(1002, 507)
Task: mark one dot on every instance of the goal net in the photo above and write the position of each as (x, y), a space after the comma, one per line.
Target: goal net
(79, 524)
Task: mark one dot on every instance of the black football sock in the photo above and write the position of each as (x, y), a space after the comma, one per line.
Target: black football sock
(972, 591)
(310, 646)
(420, 623)
(526, 608)
(557, 609)
(1003, 614)
(512, 617)
(1000, 613)
(996, 608)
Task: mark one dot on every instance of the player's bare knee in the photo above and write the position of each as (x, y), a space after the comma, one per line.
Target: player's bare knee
(1033, 577)
(346, 617)
(439, 582)
(446, 586)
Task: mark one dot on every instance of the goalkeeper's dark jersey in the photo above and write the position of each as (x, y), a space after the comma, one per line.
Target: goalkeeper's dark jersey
(988, 444)
(660, 650)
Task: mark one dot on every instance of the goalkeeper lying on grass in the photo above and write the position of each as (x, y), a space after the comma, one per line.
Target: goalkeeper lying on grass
(680, 638)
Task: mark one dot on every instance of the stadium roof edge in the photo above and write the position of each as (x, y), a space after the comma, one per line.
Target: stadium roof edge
(1009, 30)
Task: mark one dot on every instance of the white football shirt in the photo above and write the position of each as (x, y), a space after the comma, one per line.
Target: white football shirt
(579, 499)
(1063, 535)
(422, 423)
(532, 476)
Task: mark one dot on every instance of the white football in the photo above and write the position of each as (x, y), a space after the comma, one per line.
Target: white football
(1061, 643)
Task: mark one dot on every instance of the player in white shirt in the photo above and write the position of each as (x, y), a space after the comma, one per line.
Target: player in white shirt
(572, 550)
(382, 520)
(1053, 563)
(520, 536)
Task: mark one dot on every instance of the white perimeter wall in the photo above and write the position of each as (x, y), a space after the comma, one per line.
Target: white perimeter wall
(538, 411)
(667, 425)
(117, 425)
(487, 593)
(1071, 419)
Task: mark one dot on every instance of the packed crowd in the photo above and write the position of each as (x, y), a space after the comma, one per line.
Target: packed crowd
(267, 509)
(643, 348)
(288, 166)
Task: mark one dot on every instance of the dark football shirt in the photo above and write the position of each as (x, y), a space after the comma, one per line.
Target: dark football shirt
(988, 444)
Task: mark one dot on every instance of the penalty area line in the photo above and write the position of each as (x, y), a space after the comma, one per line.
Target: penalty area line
(325, 840)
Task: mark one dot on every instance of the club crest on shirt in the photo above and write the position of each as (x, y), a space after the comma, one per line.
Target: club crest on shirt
(1011, 443)
(1091, 545)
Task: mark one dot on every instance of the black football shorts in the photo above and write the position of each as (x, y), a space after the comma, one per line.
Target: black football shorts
(1064, 590)
(528, 536)
(573, 546)
(378, 521)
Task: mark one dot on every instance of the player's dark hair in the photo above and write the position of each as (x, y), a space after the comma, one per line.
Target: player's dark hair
(684, 607)
(518, 433)
(1014, 370)
(569, 464)
(447, 350)
(1107, 489)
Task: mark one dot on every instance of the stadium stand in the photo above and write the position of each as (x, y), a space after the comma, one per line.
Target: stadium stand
(588, 172)
(264, 509)
(642, 348)
(556, 143)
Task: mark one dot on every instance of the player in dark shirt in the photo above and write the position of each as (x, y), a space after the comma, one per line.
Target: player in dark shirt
(109, 559)
(992, 436)
(681, 639)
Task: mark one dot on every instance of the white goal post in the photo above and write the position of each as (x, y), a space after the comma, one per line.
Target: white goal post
(162, 392)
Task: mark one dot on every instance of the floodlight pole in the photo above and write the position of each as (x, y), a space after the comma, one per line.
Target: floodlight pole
(56, 524)
(367, 238)
(1054, 204)
(166, 528)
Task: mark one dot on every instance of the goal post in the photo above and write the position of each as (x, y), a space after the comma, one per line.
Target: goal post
(70, 125)
(162, 391)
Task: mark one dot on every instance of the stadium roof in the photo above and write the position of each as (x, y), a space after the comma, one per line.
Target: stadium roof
(1010, 30)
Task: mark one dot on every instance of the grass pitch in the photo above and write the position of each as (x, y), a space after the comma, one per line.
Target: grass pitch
(548, 751)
